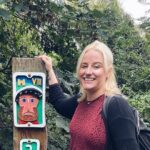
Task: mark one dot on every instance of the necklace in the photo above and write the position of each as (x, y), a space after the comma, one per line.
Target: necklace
(89, 102)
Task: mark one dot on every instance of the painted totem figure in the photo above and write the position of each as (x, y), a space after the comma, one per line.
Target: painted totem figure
(28, 100)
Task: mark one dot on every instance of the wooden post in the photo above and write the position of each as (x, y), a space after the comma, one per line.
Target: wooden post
(29, 65)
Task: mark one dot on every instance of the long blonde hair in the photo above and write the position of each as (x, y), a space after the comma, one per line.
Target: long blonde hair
(111, 83)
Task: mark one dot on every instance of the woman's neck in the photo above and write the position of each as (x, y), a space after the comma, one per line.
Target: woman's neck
(90, 96)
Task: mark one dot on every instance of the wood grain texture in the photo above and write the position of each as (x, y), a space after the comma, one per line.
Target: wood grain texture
(29, 65)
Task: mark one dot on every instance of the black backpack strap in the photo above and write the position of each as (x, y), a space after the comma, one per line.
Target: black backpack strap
(105, 118)
(106, 104)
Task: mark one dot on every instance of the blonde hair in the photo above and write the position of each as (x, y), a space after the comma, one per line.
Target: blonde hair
(111, 83)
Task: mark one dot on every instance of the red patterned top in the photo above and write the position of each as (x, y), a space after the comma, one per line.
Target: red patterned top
(87, 128)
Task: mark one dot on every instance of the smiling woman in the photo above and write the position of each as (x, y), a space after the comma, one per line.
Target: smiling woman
(97, 80)
(92, 74)
(97, 59)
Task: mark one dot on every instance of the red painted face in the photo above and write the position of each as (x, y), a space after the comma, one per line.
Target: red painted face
(28, 107)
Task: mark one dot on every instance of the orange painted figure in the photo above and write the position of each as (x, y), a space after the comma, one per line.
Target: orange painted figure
(28, 102)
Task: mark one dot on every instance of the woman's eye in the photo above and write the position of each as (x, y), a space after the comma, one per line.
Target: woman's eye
(96, 66)
(23, 100)
(84, 66)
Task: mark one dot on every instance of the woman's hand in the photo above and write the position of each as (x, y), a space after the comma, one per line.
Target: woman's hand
(52, 79)
(47, 61)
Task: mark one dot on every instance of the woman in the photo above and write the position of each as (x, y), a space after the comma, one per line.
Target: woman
(88, 130)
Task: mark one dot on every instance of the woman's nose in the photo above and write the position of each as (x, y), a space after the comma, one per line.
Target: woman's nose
(88, 70)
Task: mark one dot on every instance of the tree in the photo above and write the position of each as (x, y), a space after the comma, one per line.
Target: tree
(62, 30)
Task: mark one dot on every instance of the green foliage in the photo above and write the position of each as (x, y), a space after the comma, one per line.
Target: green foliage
(141, 102)
(62, 30)
(58, 132)
(5, 111)
(17, 39)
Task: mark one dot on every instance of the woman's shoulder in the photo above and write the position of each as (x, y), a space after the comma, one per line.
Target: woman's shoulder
(119, 100)
(119, 105)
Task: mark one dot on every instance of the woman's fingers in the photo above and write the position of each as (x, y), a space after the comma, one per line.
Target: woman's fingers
(47, 61)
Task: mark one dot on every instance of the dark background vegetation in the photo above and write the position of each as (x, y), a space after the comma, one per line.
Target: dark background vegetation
(61, 29)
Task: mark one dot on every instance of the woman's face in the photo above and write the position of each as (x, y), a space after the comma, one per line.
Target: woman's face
(92, 74)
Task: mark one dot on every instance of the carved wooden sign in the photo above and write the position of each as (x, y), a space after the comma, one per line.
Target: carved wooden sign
(29, 99)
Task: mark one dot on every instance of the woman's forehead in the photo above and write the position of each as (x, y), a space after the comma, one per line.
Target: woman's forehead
(93, 54)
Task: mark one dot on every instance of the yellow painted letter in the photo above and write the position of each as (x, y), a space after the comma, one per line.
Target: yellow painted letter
(21, 82)
(34, 81)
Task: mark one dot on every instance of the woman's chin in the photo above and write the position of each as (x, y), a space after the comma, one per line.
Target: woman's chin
(88, 88)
